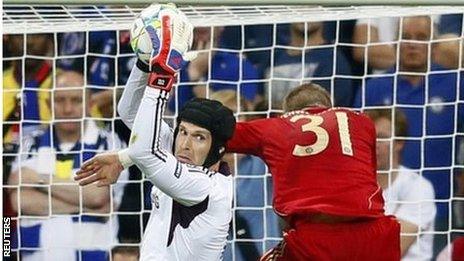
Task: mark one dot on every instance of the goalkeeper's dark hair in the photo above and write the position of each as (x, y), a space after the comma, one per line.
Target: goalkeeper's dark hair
(306, 95)
(213, 116)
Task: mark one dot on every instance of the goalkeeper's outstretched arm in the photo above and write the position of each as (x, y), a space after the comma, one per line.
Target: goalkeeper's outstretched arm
(131, 96)
(130, 102)
(180, 41)
(143, 106)
(158, 165)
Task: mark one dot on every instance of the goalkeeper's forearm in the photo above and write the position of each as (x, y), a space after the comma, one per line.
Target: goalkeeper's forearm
(130, 102)
(131, 96)
(144, 149)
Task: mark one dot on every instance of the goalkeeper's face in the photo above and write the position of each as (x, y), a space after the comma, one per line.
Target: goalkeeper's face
(193, 143)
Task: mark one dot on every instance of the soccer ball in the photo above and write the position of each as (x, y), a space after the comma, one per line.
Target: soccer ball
(146, 30)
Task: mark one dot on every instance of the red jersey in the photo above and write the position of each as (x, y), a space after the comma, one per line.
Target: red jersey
(458, 249)
(322, 160)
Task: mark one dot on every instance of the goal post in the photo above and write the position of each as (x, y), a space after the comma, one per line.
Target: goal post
(251, 53)
(247, 2)
(36, 19)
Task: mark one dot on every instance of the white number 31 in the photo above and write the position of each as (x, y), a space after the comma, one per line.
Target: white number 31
(322, 136)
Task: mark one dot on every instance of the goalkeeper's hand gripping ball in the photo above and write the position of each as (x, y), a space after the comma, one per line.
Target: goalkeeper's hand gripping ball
(161, 38)
(162, 25)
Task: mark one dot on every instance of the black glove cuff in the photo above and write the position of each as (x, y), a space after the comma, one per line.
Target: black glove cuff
(143, 66)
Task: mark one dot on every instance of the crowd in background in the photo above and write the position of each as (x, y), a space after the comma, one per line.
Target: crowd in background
(407, 77)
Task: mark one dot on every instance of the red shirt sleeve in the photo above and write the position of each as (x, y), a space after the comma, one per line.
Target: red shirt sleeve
(249, 137)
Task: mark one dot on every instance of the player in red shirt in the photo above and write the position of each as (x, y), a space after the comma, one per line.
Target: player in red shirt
(323, 164)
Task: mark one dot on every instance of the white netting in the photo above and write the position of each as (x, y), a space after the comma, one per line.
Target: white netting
(260, 54)
(62, 18)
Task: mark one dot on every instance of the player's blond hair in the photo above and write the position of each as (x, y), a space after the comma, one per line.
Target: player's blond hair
(306, 95)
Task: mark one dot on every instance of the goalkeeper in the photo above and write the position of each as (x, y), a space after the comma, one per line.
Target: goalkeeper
(192, 195)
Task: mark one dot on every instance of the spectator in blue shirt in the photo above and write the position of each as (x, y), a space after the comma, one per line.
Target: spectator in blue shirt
(291, 66)
(227, 70)
(255, 36)
(446, 51)
(450, 23)
(429, 144)
(255, 220)
(64, 215)
(100, 65)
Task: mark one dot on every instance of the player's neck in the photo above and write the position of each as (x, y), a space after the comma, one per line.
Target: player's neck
(386, 178)
(68, 137)
(413, 79)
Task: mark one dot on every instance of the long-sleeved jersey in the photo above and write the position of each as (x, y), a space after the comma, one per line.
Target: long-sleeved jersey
(191, 205)
(321, 160)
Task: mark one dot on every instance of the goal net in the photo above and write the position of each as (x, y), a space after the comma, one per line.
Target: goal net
(65, 66)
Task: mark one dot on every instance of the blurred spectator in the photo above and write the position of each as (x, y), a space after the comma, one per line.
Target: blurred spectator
(103, 52)
(37, 77)
(12, 47)
(381, 30)
(71, 44)
(412, 89)
(290, 70)
(255, 36)
(223, 70)
(456, 248)
(458, 205)
(101, 58)
(68, 229)
(255, 224)
(450, 23)
(340, 32)
(408, 195)
(37, 73)
(446, 53)
(125, 253)
(103, 104)
(33, 101)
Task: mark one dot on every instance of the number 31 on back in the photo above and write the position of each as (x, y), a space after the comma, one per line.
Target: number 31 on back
(322, 137)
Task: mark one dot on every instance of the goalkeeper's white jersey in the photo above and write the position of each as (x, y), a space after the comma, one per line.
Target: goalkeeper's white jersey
(198, 232)
(191, 205)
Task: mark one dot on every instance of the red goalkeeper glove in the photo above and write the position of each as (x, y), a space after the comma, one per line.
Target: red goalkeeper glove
(176, 39)
(162, 75)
